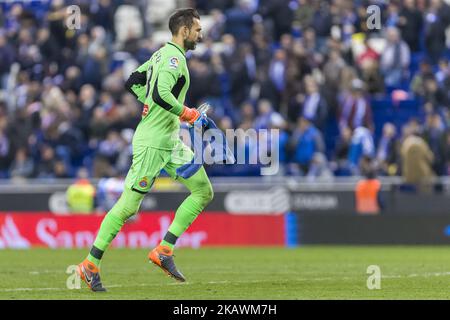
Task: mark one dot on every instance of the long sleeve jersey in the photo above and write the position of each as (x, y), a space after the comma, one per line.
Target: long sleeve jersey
(160, 84)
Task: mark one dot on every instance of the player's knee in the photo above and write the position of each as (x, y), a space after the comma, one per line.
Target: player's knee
(126, 207)
(123, 213)
(128, 204)
(209, 193)
(204, 193)
(128, 212)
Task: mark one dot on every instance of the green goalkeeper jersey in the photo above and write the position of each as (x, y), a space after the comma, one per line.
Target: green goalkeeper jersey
(160, 84)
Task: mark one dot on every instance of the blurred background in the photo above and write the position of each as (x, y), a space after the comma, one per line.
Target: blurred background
(363, 114)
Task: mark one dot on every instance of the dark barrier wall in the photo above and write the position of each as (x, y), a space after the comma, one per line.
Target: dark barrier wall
(380, 229)
(26, 201)
(55, 201)
(267, 201)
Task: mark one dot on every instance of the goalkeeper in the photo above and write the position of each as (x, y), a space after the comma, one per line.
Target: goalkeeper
(161, 84)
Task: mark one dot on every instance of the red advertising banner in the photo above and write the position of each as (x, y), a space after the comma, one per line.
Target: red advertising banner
(44, 229)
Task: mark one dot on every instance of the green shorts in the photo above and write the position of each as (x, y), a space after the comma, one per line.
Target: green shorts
(148, 162)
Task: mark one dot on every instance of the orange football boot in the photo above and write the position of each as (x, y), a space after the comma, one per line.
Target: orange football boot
(90, 274)
(162, 256)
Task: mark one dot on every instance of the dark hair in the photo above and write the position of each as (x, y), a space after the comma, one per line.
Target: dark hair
(181, 18)
(366, 168)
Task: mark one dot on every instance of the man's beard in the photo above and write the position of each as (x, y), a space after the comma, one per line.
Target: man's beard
(189, 45)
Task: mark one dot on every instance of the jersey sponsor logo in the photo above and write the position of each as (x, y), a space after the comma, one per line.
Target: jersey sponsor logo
(173, 62)
(145, 110)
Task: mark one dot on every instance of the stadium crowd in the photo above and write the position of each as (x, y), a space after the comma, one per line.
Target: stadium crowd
(264, 64)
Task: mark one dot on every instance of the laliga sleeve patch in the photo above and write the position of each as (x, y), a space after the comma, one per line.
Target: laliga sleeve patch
(173, 62)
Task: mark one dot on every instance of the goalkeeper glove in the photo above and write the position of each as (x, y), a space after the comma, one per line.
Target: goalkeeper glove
(192, 115)
(189, 115)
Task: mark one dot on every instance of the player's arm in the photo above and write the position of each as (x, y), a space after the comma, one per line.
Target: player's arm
(162, 94)
(137, 81)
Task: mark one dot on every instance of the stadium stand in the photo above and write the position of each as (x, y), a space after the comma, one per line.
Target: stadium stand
(64, 108)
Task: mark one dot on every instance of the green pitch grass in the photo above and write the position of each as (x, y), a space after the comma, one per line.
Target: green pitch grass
(310, 272)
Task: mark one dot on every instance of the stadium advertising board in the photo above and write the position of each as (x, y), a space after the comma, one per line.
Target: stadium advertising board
(43, 229)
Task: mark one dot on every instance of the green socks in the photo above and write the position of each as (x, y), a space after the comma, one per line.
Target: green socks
(201, 194)
(185, 215)
(126, 206)
(129, 203)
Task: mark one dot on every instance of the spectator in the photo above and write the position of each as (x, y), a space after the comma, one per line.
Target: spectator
(239, 20)
(387, 152)
(87, 102)
(445, 84)
(204, 82)
(278, 123)
(298, 66)
(109, 149)
(355, 110)
(218, 25)
(247, 116)
(60, 170)
(342, 165)
(22, 166)
(45, 168)
(319, 170)
(369, 55)
(48, 46)
(5, 154)
(108, 192)
(361, 146)
(103, 15)
(265, 112)
(277, 71)
(124, 158)
(410, 23)
(246, 149)
(306, 140)
(278, 16)
(437, 18)
(321, 23)
(417, 160)
(315, 107)
(443, 72)
(368, 63)
(395, 59)
(418, 82)
(332, 71)
(94, 67)
(392, 19)
(7, 58)
(435, 136)
(433, 94)
(303, 15)
(98, 125)
(236, 63)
